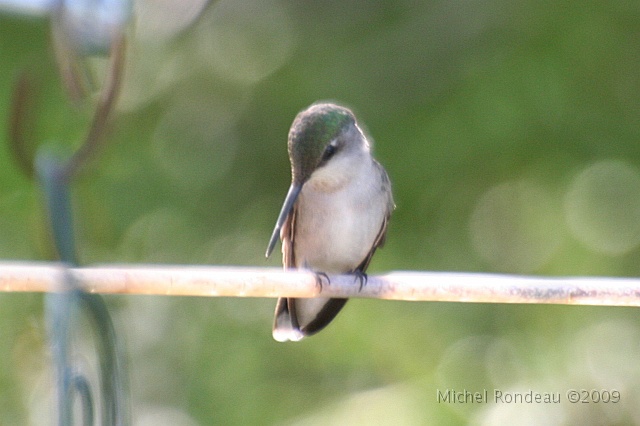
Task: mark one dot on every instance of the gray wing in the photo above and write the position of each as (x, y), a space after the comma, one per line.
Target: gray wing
(382, 234)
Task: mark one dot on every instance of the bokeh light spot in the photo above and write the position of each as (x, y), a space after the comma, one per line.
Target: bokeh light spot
(195, 141)
(396, 404)
(158, 237)
(158, 415)
(160, 20)
(523, 413)
(248, 40)
(609, 351)
(514, 227)
(602, 207)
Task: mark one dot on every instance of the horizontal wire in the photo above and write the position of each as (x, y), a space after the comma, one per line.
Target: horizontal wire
(214, 281)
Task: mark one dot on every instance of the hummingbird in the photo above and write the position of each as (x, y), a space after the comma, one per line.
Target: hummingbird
(334, 216)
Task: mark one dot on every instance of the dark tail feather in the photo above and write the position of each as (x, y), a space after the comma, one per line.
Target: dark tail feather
(298, 318)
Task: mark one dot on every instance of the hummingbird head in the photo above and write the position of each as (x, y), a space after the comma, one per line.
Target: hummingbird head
(321, 134)
(318, 134)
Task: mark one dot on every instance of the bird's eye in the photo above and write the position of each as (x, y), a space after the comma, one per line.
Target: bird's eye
(328, 152)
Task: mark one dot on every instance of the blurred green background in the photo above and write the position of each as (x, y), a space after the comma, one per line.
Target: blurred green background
(510, 130)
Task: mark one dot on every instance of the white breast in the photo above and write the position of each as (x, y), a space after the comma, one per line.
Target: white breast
(340, 212)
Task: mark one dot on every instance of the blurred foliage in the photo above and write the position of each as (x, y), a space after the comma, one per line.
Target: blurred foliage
(510, 131)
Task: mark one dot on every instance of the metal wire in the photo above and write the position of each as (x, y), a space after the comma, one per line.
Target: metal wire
(193, 280)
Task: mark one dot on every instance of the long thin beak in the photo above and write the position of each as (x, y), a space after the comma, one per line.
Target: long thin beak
(292, 196)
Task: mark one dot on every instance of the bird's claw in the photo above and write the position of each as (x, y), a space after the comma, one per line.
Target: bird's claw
(319, 278)
(362, 278)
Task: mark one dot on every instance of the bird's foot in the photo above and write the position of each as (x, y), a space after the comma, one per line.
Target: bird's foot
(361, 277)
(320, 277)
